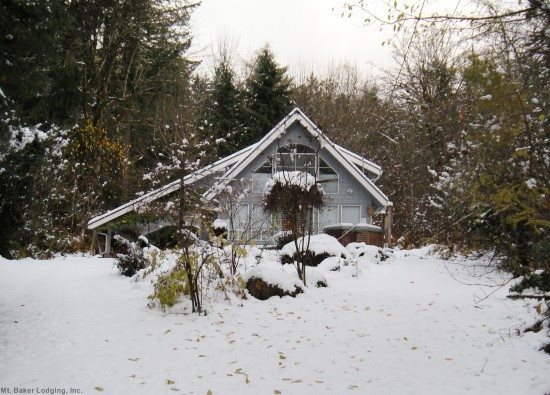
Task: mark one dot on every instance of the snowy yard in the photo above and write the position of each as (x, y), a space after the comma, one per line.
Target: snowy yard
(402, 326)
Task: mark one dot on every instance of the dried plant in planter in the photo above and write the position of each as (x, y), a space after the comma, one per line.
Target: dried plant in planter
(295, 195)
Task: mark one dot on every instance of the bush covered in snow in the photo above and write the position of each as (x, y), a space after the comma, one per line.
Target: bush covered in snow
(264, 281)
(219, 227)
(130, 257)
(331, 264)
(317, 277)
(376, 253)
(282, 238)
(319, 247)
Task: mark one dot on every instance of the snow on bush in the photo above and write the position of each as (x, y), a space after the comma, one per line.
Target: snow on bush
(317, 277)
(130, 256)
(219, 224)
(23, 135)
(278, 277)
(331, 264)
(300, 179)
(318, 244)
(282, 238)
(369, 252)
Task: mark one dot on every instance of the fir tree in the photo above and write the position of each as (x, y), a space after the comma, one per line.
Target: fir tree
(267, 96)
(224, 113)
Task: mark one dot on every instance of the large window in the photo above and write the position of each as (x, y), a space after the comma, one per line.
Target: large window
(351, 214)
(241, 219)
(296, 157)
(260, 223)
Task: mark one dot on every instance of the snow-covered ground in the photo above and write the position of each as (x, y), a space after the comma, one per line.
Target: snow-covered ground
(402, 326)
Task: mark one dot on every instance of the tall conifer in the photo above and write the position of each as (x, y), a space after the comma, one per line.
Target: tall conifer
(267, 96)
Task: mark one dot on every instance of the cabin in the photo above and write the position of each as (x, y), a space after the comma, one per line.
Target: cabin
(356, 210)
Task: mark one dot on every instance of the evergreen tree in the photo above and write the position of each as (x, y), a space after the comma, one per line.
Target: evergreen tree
(104, 71)
(225, 110)
(18, 182)
(267, 97)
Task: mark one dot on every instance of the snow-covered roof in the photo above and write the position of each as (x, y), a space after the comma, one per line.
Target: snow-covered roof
(237, 162)
(362, 163)
(169, 188)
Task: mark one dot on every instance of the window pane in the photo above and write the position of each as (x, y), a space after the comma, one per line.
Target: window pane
(324, 168)
(265, 168)
(297, 148)
(329, 182)
(259, 180)
(285, 162)
(351, 214)
(259, 222)
(305, 162)
(328, 216)
(240, 221)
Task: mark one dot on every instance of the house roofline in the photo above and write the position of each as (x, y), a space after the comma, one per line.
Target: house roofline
(167, 189)
(361, 161)
(297, 115)
(239, 160)
(359, 175)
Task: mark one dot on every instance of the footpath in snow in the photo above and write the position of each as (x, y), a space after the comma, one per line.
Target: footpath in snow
(402, 326)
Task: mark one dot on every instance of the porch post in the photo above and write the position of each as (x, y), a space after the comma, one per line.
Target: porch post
(108, 236)
(388, 221)
(92, 244)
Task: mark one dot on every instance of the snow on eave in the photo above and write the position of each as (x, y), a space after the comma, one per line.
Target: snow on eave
(167, 189)
(297, 115)
(360, 161)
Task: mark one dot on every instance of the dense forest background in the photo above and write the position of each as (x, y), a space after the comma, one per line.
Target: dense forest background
(95, 93)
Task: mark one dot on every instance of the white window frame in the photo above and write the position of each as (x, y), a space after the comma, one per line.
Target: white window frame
(316, 168)
(264, 233)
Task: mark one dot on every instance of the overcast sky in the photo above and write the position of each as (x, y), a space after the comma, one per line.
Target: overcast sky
(304, 34)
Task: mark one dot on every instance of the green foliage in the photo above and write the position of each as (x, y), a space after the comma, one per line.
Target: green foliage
(116, 70)
(534, 280)
(267, 97)
(225, 111)
(130, 257)
(19, 183)
(169, 287)
(95, 172)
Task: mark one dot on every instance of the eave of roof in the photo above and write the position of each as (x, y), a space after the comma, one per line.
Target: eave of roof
(167, 189)
(360, 161)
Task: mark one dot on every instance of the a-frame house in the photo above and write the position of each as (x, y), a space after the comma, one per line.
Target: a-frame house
(295, 144)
